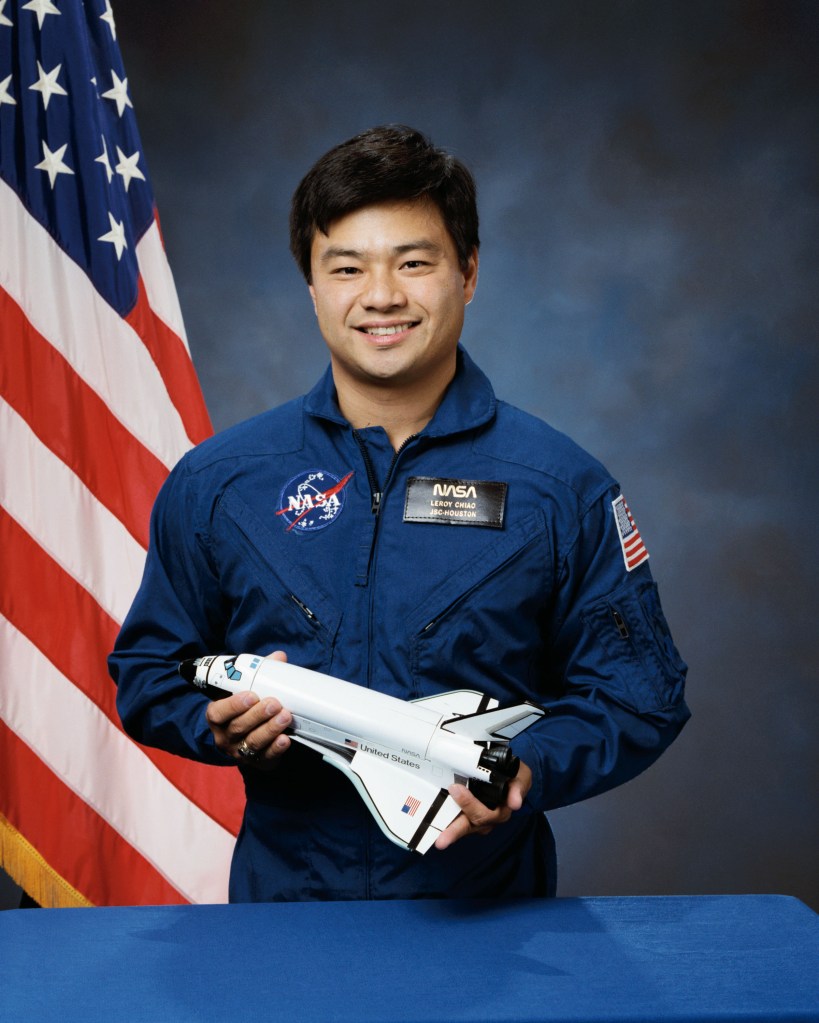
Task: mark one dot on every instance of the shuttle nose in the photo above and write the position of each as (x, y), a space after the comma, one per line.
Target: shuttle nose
(187, 669)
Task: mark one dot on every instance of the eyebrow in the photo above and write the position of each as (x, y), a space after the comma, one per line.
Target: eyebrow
(338, 252)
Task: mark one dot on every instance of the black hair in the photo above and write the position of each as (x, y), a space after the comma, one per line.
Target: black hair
(390, 163)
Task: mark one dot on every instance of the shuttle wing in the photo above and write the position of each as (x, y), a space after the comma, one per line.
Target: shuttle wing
(496, 724)
(409, 799)
(409, 805)
(458, 702)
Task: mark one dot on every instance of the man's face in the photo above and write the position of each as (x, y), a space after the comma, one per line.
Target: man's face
(389, 295)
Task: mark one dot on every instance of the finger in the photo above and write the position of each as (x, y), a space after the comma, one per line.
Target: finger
(221, 712)
(269, 755)
(457, 830)
(231, 724)
(269, 738)
(475, 819)
(263, 746)
(519, 787)
(478, 813)
(515, 795)
(250, 751)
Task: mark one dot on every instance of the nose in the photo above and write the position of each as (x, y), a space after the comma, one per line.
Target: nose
(382, 291)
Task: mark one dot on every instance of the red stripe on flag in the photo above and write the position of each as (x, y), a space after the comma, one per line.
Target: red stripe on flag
(174, 363)
(75, 423)
(78, 644)
(636, 555)
(37, 805)
(75, 642)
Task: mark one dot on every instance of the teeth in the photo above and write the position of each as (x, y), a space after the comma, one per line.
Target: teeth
(386, 331)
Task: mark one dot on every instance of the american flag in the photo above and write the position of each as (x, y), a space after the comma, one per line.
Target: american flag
(98, 399)
(634, 550)
(411, 804)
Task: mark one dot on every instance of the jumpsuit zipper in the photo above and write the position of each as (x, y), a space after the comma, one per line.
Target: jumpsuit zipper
(376, 494)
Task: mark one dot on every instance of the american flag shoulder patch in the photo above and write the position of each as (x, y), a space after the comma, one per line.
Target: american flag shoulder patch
(631, 543)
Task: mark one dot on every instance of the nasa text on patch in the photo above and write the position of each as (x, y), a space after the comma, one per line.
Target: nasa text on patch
(455, 502)
(312, 500)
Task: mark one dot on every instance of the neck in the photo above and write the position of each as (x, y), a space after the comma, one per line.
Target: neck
(402, 411)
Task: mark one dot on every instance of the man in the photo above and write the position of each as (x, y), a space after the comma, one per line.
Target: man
(401, 528)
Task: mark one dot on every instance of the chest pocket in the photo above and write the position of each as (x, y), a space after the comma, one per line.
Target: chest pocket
(482, 628)
(273, 602)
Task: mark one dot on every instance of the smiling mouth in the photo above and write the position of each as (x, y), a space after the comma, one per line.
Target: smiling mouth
(396, 328)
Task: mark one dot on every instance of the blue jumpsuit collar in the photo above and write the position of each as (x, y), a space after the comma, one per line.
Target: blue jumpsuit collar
(469, 401)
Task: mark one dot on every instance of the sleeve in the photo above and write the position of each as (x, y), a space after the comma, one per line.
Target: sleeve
(176, 614)
(616, 680)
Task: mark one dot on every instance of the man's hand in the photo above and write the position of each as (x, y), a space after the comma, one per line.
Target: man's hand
(249, 729)
(476, 818)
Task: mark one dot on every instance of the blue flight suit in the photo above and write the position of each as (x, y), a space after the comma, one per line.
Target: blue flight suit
(294, 531)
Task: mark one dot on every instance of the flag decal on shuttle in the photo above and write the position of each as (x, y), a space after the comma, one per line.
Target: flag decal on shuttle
(411, 804)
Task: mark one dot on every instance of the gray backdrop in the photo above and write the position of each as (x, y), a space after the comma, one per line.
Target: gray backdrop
(648, 181)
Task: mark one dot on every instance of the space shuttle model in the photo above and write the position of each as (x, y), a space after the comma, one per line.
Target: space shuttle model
(402, 756)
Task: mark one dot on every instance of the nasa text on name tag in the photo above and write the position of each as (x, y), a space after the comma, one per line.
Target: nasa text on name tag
(455, 502)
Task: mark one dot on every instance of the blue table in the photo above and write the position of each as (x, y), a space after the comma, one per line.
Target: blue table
(648, 959)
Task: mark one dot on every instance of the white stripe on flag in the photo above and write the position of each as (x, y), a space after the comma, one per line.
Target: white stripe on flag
(60, 512)
(74, 738)
(62, 305)
(158, 281)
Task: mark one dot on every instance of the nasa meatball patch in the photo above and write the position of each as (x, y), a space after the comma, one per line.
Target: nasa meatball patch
(455, 502)
(312, 500)
(631, 543)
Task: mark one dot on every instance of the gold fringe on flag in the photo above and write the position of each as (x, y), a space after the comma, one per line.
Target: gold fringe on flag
(27, 868)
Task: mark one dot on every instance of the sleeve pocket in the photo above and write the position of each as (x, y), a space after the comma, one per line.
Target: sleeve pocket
(636, 642)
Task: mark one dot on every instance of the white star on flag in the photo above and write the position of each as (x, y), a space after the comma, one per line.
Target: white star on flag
(47, 84)
(116, 236)
(109, 17)
(127, 167)
(103, 159)
(3, 19)
(52, 163)
(41, 8)
(118, 93)
(5, 95)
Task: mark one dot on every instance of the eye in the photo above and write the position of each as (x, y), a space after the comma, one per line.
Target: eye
(346, 271)
(415, 264)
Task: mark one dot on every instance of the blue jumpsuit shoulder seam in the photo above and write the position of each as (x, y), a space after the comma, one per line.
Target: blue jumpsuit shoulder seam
(247, 439)
(585, 499)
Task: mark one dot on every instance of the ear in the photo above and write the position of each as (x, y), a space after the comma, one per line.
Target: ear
(471, 277)
(312, 291)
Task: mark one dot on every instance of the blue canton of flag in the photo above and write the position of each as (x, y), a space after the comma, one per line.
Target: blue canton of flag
(69, 144)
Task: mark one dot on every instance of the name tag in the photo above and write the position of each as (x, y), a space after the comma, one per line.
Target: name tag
(455, 502)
